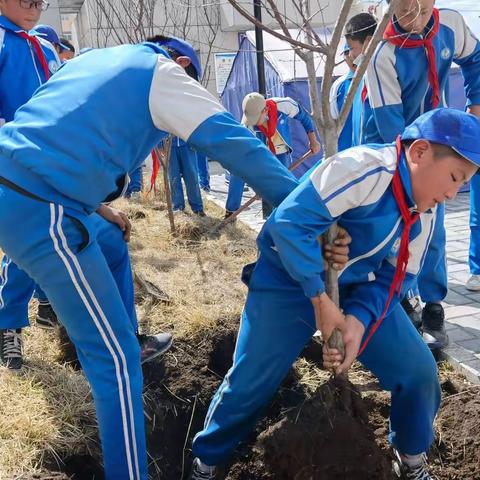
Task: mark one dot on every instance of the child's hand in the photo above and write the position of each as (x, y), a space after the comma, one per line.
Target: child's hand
(336, 255)
(327, 315)
(352, 336)
(117, 217)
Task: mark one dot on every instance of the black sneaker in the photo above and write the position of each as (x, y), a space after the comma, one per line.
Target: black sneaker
(46, 317)
(433, 321)
(202, 472)
(152, 346)
(412, 313)
(200, 213)
(11, 349)
(406, 471)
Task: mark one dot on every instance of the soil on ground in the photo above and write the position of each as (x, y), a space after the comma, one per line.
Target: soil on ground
(307, 432)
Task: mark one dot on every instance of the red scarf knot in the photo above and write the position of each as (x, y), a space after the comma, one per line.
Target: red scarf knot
(271, 128)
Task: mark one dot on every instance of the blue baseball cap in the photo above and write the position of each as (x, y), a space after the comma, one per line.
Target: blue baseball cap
(48, 33)
(185, 49)
(448, 126)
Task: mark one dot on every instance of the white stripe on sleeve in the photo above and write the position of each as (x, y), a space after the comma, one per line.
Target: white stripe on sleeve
(179, 104)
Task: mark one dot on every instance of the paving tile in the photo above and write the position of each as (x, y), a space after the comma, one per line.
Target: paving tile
(459, 335)
(473, 344)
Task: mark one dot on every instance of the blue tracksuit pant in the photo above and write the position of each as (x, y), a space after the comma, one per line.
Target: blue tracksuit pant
(183, 164)
(235, 187)
(203, 174)
(16, 287)
(278, 320)
(135, 184)
(59, 249)
(474, 253)
(432, 280)
(16, 290)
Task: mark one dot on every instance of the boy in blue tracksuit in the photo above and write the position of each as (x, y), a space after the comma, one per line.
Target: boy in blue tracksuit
(59, 161)
(385, 196)
(358, 33)
(27, 60)
(269, 119)
(406, 77)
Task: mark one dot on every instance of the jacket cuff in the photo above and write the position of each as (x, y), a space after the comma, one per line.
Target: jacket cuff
(360, 312)
(313, 287)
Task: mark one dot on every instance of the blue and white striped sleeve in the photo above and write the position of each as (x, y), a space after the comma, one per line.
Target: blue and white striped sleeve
(467, 53)
(293, 109)
(181, 106)
(341, 183)
(385, 93)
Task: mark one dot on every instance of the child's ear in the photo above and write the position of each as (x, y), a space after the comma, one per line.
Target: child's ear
(420, 150)
(183, 61)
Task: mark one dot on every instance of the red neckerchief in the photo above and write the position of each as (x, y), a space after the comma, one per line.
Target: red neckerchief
(403, 252)
(155, 169)
(402, 41)
(38, 50)
(269, 132)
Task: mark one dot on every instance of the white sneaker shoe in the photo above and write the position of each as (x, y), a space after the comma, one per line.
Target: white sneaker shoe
(200, 471)
(411, 467)
(473, 283)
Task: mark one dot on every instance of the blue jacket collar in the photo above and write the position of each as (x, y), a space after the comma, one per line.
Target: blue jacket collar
(406, 179)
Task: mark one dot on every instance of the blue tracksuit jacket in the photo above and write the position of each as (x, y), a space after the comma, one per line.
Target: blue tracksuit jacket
(20, 70)
(112, 138)
(397, 79)
(352, 187)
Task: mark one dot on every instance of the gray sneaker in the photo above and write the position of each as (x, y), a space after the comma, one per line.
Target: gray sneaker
(151, 346)
(11, 349)
(408, 470)
(201, 471)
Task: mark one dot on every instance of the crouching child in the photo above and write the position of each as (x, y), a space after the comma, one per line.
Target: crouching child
(386, 197)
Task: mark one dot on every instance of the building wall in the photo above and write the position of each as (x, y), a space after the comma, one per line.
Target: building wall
(52, 16)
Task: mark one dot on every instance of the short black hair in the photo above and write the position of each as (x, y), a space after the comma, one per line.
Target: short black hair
(360, 26)
(190, 70)
(67, 44)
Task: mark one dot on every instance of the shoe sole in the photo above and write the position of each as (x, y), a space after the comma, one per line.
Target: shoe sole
(473, 289)
(158, 353)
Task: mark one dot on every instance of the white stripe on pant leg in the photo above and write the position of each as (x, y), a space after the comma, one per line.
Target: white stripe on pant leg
(110, 332)
(102, 334)
(4, 279)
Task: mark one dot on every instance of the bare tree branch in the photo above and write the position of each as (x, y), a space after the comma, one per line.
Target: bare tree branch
(330, 63)
(273, 32)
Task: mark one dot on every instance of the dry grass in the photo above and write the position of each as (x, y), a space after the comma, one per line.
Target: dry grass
(46, 412)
